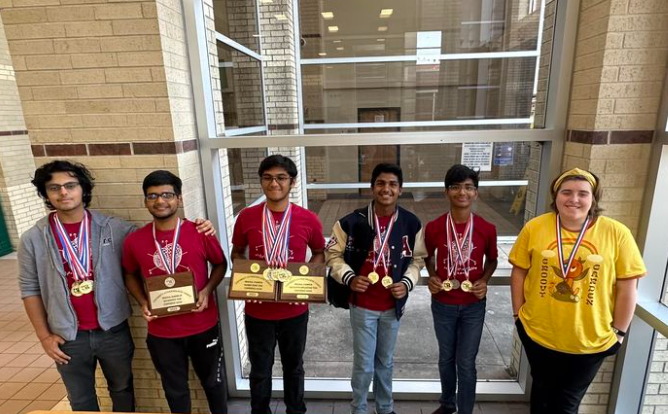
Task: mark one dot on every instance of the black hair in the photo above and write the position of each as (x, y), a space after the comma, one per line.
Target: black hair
(45, 173)
(386, 167)
(278, 160)
(162, 177)
(459, 173)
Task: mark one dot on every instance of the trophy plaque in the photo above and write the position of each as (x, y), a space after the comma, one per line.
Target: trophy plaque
(307, 284)
(249, 282)
(171, 294)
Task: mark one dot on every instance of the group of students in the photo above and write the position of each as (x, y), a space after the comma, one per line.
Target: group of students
(572, 285)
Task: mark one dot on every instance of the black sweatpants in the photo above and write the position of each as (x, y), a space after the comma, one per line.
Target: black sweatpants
(560, 380)
(170, 357)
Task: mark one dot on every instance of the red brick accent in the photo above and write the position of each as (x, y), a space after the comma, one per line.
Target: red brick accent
(65, 150)
(610, 137)
(38, 150)
(110, 149)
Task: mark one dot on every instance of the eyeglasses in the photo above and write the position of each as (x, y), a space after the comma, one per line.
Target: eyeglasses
(167, 196)
(280, 179)
(55, 188)
(456, 188)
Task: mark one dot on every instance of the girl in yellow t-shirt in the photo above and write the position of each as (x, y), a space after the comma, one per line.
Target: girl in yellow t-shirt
(573, 289)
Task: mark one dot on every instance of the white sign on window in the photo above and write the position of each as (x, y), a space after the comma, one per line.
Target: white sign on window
(478, 154)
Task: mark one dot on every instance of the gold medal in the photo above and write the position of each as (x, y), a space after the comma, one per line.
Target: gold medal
(283, 275)
(75, 290)
(374, 277)
(467, 286)
(447, 285)
(267, 273)
(255, 268)
(86, 287)
(303, 270)
(387, 281)
(455, 284)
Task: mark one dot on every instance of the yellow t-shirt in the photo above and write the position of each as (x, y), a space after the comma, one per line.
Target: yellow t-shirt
(574, 314)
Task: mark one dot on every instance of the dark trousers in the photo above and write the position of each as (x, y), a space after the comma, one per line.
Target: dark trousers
(113, 349)
(262, 338)
(560, 380)
(170, 357)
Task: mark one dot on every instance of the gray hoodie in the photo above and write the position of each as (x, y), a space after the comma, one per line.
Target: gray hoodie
(41, 273)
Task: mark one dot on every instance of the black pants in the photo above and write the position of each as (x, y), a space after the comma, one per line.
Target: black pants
(291, 337)
(560, 380)
(170, 357)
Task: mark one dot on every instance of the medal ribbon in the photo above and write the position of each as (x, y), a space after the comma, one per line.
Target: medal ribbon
(170, 265)
(560, 246)
(276, 237)
(77, 257)
(378, 255)
(451, 231)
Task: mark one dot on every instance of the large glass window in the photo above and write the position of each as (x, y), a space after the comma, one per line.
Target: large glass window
(237, 20)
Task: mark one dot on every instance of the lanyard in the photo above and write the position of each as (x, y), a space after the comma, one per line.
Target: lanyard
(77, 257)
(565, 267)
(456, 253)
(276, 237)
(171, 264)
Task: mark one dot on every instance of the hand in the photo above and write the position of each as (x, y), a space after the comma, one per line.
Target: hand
(360, 284)
(435, 285)
(146, 313)
(205, 226)
(51, 345)
(398, 290)
(202, 300)
(479, 288)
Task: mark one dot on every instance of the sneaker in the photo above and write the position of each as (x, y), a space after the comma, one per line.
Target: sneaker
(443, 410)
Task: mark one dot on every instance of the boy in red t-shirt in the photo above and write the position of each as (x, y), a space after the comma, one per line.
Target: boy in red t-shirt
(269, 323)
(165, 246)
(462, 258)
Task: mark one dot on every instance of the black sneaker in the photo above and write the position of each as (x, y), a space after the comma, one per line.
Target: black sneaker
(443, 410)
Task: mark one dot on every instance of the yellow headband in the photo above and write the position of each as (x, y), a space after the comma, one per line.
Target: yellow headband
(572, 173)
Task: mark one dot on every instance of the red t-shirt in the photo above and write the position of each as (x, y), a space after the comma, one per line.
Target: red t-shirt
(305, 231)
(84, 305)
(376, 297)
(141, 256)
(484, 245)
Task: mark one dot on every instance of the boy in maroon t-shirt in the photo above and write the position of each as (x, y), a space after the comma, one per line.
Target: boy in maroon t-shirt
(169, 245)
(462, 258)
(268, 323)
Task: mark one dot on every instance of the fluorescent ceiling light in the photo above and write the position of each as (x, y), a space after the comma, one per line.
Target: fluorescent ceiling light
(322, 54)
(281, 17)
(333, 29)
(336, 41)
(266, 1)
(386, 13)
(327, 15)
(380, 40)
(382, 28)
(340, 48)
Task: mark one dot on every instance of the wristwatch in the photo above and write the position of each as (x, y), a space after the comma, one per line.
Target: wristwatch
(618, 332)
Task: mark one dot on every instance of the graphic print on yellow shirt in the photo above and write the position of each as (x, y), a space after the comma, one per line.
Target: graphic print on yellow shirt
(572, 313)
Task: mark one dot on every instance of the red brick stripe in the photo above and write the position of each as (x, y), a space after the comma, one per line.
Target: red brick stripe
(18, 132)
(124, 148)
(610, 137)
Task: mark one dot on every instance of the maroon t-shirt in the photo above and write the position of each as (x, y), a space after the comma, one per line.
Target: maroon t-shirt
(84, 305)
(484, 247)
(194, 251)
(376, 297)
(305, 231)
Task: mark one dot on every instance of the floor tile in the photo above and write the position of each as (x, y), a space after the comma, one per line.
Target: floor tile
(38, 405)
(8, 389)
(13, 406)
(31, 392)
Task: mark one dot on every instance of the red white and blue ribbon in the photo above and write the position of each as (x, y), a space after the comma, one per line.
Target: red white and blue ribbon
(565, 267)
(380, 242)
(276, 238)
(170, 263)
(456, 255)
(78, 256)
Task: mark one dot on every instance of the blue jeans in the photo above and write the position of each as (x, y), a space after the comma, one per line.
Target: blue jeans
(374, 337)
(458, 331)
(114, 350)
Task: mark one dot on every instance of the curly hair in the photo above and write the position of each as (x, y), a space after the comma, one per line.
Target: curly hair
(45, 173)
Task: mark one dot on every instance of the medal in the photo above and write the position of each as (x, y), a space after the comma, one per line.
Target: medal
(387, 281)
(566, 265)
(171, 264)
(467, 286)
(461, 253)
(455, 284)
(447, 285)
(78, 256)
(379, 255)
(276, 239)
(267, 273)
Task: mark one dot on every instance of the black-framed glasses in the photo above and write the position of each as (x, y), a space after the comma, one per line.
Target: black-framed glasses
(55, 188)
(456, 188)
(167, 196)
(280, 179)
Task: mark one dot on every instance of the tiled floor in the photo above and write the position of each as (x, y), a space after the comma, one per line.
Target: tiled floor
(28, 378)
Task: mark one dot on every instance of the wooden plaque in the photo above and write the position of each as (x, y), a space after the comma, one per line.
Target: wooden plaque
(248, 283)
(171, 294)
(307, 284)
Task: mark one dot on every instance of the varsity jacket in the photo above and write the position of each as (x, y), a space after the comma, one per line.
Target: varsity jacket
(352, 240)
